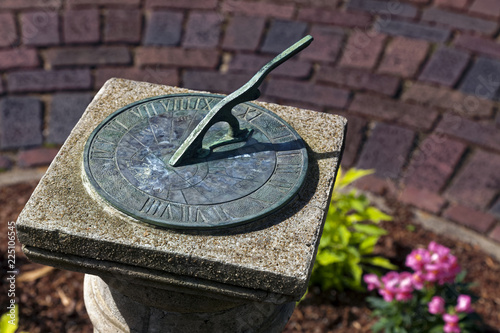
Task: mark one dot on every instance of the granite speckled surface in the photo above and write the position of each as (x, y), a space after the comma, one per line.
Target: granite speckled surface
(274, 255)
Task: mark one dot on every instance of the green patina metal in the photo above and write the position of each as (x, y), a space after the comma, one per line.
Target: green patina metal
(198, 161)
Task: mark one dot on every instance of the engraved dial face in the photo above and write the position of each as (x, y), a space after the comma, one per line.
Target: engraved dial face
(126, 160)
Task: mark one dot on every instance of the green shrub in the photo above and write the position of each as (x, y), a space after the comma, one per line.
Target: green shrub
(349, 236)
(9, 321)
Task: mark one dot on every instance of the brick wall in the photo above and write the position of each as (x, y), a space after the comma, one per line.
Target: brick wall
(419, 80)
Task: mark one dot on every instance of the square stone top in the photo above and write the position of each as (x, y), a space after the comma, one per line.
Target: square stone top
(65, 221)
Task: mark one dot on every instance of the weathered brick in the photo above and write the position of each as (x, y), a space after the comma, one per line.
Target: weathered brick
(65, 111)
(478, 44)
(81, 26)
(386, 150)
(151, 74)
(18, 58)
(282, 11)
(433, 162)
(307, 92)
(457, 4)
(123, 25)
(40, 28)
(470, 218)
(103, 55)
(422, 199)
(356, 127)
(191, 4)
(202, 30)
(30, 4)
(495, 233)
(386, 8)
(8, 29)
(250, 63)
(335, 17)
(393, 111)
(213, 81)
(36, 157)
(484, 135)
(20, 122)
(412, 30)
(5, 163)
(177, 57)
(495, 209)
(449, 100)
(445, 67)
(75, 3)
(243, 33)
(483, 79)
(41, 80)
(403, 56)
(486, 8)
(282, 34)
(478, 181)
(326, 46)
(359, 79)
(459, 21)
(164, 28)
(362, 50)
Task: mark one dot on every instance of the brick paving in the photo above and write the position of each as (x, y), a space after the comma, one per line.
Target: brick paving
(419, 82)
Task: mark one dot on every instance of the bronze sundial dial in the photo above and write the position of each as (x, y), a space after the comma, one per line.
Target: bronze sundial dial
(198, 161)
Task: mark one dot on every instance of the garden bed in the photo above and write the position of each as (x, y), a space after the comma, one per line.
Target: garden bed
(51, 300)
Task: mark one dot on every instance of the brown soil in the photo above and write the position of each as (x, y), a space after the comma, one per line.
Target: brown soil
(52, 300)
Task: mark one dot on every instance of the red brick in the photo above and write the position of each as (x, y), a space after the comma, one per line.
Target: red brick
(458, 4)
(359, 79)
(307, 92)
(36, 157)
(326, 46)
(282, 34)
(486, 8)
(470, 218)
(479, 45)
(2, 89)
(18, 58)
(478, 181)
(5, 163)
(251, 63)
(356, 127)
(448, 100)
(40, 28)
(310, 3)
(362, 50)
(191, 4)
(30, 4)
(383, 8)
(433, 162)
(81, 26)
(75, 3)
(403, 56)
(335, 17)
(422, 199)
(375, 185)
(164, 28)
(258, 9)
(445, 66)
(74, 56)
(41, 80)
(202, 30)
(459, 21)
(393, 111)
(213, 81)
(495, 233)
(484, 135)
(123, 25)
(20, 122)
(412, 30)
(163, 76)
(386, 150)
(243, 33)
(8, 29)
(177, 57)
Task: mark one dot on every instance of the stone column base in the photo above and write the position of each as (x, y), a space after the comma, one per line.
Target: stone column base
(111, 311)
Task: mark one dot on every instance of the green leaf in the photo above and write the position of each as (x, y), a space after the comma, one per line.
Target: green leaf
(376, 215)
(367, 245)
(344, 234)
(326, 258)
(9, 321)
(380, 262)
(370, 229)
(351, 176)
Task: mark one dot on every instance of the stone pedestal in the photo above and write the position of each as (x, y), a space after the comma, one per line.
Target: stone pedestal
(149, 279)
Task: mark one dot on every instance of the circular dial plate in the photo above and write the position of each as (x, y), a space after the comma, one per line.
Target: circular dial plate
(126, 161)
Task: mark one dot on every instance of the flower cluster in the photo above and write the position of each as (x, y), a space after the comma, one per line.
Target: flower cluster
(437, 307)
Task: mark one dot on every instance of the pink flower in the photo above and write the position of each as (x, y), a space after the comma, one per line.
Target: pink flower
(418, 280)
(372, 281)
(397, 286)
(451, 323)
(417, 259)
(440, 250)
(436, 305)
(463, 304)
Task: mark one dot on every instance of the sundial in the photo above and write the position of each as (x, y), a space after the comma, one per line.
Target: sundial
(198, 161)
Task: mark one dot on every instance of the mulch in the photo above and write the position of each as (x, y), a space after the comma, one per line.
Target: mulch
(51, 300)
